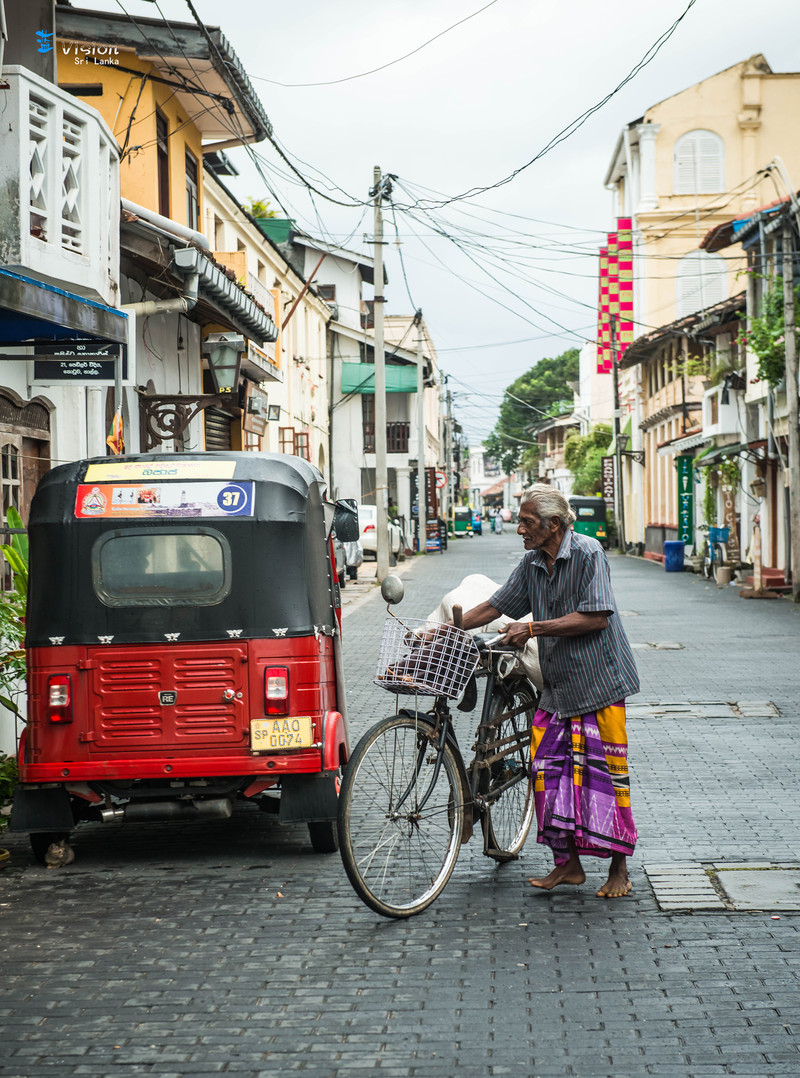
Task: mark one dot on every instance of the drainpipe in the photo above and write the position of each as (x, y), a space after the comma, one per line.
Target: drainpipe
(180, 305)
(166, 224)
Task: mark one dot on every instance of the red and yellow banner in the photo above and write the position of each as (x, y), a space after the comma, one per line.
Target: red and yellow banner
(616, 296)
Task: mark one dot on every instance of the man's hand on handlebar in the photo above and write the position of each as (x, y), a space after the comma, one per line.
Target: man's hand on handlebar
(518, 634)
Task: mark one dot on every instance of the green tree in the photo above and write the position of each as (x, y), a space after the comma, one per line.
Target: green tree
(539, 392)
(766, 336)
(583, 454)
(257, 207)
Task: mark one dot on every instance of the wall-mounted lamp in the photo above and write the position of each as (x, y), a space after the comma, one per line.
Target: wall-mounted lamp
(224, 354)
(274, 412)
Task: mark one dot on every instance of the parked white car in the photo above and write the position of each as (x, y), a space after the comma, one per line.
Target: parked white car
(367, 519)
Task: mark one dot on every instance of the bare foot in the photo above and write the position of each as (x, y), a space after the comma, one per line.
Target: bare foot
(566, 873)
(618, 883)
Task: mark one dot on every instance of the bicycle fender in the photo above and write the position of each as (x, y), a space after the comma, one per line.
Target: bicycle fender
(335, 742)
(425, 717)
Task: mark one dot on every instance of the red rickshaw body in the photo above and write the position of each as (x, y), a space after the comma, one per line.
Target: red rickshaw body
(181, 659)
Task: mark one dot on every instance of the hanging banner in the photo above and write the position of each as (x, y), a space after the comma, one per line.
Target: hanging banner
(603, 318)
(607, 481)
(615, 296)
(685, 466)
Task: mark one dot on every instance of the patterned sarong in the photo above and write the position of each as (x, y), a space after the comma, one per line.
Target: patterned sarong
(581, 785)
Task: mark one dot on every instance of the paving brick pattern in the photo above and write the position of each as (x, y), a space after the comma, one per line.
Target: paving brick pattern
(230, 948)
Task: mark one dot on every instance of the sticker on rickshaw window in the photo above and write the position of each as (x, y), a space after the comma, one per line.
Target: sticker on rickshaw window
(173, 500)
(289, 732)
(110, 471)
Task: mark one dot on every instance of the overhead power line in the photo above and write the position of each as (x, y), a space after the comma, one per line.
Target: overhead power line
(382, 67)
(573, 126)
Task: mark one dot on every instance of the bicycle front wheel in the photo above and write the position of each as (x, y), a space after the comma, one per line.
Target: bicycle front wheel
(401, 817)
(507, 788)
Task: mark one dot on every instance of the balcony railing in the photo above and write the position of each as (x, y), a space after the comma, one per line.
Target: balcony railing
(59, 170)
(260, 293)
(396, 437)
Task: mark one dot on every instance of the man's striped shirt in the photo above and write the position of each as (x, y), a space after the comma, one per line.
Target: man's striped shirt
(581, 673)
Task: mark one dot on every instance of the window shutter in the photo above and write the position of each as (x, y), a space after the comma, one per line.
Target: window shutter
(699, 164)
(701, 281)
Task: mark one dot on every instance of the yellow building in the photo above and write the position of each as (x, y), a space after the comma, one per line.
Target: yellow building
(171, 94)
(691, 162)
(688, 164)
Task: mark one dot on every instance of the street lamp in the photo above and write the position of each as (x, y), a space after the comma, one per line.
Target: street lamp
(224, 354)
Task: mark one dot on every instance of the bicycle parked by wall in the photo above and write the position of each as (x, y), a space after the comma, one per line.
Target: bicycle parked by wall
(715, 551)
(408, 800)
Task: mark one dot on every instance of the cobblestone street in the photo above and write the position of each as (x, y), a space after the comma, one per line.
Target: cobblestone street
(228, 947)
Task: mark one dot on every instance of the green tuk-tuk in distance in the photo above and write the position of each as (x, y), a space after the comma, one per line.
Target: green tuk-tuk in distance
(462, 520)
(590, 517)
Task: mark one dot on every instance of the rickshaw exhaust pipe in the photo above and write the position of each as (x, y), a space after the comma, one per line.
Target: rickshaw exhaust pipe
(211, 808)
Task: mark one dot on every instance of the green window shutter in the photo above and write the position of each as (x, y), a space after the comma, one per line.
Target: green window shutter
(360, 378)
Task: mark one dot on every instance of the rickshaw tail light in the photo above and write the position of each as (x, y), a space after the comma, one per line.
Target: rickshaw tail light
(59, 696)
(369, 527)
(276, 690)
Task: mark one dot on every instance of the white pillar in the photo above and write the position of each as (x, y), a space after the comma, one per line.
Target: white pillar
(648, 199)
(96, 433)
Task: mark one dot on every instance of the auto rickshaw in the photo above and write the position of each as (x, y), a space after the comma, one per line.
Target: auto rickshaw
(590, 514)
(183, 644)
(462, 520)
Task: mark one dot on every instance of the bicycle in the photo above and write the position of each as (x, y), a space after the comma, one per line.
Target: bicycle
(715, 553)
(408, 802)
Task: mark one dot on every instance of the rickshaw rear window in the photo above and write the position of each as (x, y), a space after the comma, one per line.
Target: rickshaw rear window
(161, 567)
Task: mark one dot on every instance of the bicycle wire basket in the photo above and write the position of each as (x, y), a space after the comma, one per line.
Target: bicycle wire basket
(718, 535)
(422, 657)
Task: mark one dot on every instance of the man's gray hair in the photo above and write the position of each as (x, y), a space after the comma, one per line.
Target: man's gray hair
(548, 502)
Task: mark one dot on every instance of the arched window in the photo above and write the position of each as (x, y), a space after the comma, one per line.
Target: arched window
(701, 281)
(699, 164)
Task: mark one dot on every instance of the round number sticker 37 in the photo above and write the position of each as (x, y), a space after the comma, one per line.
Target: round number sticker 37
(236, 499)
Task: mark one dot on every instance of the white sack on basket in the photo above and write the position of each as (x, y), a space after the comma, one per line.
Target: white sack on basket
(477, 589)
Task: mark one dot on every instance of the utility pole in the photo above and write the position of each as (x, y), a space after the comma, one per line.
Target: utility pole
(619, 500)
(381, 473)
(792, 475)
(422, 491)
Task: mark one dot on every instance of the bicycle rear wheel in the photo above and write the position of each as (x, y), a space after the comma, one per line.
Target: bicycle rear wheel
(401, 817)
(508, 788)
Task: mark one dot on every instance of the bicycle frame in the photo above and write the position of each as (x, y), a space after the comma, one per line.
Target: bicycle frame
(443, 731)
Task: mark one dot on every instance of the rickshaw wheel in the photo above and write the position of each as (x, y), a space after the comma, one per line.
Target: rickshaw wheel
(40, 842)
(324, 837)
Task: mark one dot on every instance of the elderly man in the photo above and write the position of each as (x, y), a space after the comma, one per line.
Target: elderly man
(579, 744)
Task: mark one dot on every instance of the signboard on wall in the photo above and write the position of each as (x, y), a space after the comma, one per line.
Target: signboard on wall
(86, 362)
(685, 466)
(607, 481)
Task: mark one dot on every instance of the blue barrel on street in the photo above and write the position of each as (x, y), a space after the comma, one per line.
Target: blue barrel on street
(673, 557)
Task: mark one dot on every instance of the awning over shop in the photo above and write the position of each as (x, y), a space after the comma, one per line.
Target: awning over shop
(31, 310)
(717, 452)
(360, 378)
(682, 445)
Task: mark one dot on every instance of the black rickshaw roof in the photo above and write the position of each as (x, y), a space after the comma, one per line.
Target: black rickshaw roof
(281, 582)
(290, 479)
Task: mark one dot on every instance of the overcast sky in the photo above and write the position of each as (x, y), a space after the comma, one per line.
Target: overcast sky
(464, 112)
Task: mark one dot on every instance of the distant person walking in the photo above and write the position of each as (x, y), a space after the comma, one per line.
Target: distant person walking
(498, 523)
(579, 744)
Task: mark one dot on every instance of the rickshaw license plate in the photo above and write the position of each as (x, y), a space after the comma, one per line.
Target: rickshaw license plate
(288, 732)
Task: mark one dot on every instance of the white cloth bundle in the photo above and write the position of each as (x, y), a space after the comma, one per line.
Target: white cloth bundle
(477, 589)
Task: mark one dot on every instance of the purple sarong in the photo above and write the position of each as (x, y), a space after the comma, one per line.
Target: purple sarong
(581, 784)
